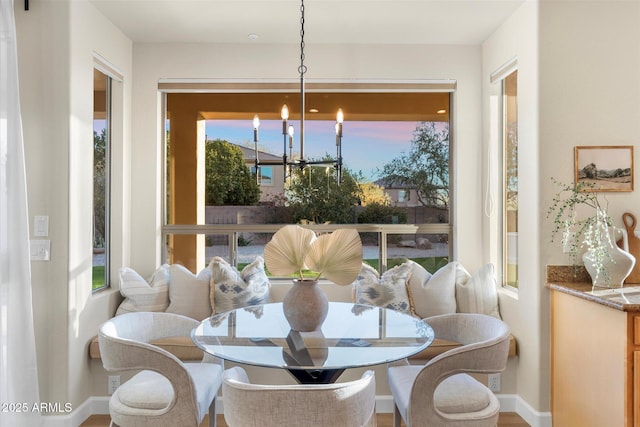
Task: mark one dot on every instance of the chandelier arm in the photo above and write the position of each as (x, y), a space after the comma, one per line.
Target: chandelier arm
(320, 162)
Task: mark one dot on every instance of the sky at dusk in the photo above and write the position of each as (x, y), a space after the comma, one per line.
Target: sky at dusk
(366, 146)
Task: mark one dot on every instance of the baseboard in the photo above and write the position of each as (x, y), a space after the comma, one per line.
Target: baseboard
(76, 417)
(531, 416)
(98, 405)
(384, 404)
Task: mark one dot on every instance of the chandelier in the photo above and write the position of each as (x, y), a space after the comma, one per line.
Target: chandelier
(288, 162)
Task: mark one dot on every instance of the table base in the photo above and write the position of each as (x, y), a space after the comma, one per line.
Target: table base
(316, 376)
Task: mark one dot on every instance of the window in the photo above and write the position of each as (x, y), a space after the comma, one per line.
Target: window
(101, 168)
(510, 180)
(393, 142)
(265, 176)
(504, 179)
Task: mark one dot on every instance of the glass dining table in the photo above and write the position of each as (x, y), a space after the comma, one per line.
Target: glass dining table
(352, 335)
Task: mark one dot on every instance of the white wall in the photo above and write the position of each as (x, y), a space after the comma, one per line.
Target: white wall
(517, 39)
(44, 87)
(589, 95)
(56, 45)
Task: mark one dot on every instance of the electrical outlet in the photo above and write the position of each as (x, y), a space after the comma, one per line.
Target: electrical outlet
(494, 382)
(114, 383)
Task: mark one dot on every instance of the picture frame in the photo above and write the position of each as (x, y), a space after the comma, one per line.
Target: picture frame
(607, 167)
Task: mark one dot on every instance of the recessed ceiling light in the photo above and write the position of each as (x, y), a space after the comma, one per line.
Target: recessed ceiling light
(443, 111)
(253, 37)
(313, 110)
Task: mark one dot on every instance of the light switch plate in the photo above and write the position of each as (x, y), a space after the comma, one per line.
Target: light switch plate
(40, 250)
(41, 226)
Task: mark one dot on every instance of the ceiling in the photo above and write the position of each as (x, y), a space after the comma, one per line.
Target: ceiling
(326, 21)
(423, 106)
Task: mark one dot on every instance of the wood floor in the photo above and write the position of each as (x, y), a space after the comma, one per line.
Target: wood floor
(507, 419)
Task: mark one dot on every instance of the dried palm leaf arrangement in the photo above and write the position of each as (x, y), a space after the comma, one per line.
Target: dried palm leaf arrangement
(336, 256)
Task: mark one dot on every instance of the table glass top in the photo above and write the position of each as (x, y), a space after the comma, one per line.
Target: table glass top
(352, 335)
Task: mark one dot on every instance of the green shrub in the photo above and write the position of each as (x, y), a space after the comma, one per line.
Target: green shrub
(378, 213)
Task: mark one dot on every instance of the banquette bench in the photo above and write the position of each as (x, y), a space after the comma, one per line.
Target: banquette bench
(220, 287)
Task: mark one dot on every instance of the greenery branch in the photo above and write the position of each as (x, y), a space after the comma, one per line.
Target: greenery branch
(589, 233)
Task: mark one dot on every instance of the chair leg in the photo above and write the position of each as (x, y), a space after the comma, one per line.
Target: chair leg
(212, 413)
(396, 416)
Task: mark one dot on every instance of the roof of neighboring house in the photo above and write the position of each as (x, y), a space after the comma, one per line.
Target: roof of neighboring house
(250, 154)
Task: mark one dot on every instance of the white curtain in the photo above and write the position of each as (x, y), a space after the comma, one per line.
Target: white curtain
(18, 371)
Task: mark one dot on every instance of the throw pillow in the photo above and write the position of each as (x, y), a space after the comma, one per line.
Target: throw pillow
(188, 293)
(388, 290)
(231, 289)
(479, 293)
(142, 295)
(433, 294)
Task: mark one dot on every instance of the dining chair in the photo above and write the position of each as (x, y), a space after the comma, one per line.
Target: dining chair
(441, 392)
(302, 405)
(166, 391)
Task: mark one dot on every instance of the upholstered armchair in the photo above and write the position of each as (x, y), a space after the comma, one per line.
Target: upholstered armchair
(441, 393)
(166, 391)
(340, 404)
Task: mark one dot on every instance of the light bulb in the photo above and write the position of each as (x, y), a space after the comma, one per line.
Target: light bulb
(339, 120)
(256, 122)
(284, 113)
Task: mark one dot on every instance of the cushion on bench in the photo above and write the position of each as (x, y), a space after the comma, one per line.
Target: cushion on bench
(181, 347)
(408, 287)
(184, 349)
(439, 346)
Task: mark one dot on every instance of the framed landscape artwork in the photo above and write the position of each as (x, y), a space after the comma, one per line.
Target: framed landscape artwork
(607, 168)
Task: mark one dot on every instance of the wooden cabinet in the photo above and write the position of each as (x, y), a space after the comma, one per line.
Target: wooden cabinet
(594, 349)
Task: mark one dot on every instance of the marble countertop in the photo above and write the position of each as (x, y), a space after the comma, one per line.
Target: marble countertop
(578, 283)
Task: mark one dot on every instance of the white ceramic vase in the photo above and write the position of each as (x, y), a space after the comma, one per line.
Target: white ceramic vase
(305, 306)
(616, 264)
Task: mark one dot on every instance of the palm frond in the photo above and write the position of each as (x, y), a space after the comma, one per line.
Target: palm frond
(337, 255)
(285, 253)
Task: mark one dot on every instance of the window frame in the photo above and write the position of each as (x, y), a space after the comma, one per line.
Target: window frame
(509, 251)
(107, 180)
(235, 230)
(506, 241)
(114, 229)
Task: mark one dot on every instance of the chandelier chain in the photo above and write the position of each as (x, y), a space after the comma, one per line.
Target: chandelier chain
(288, 163)
(302, 69)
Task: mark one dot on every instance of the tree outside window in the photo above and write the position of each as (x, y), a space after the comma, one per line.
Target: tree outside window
(425, 168)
